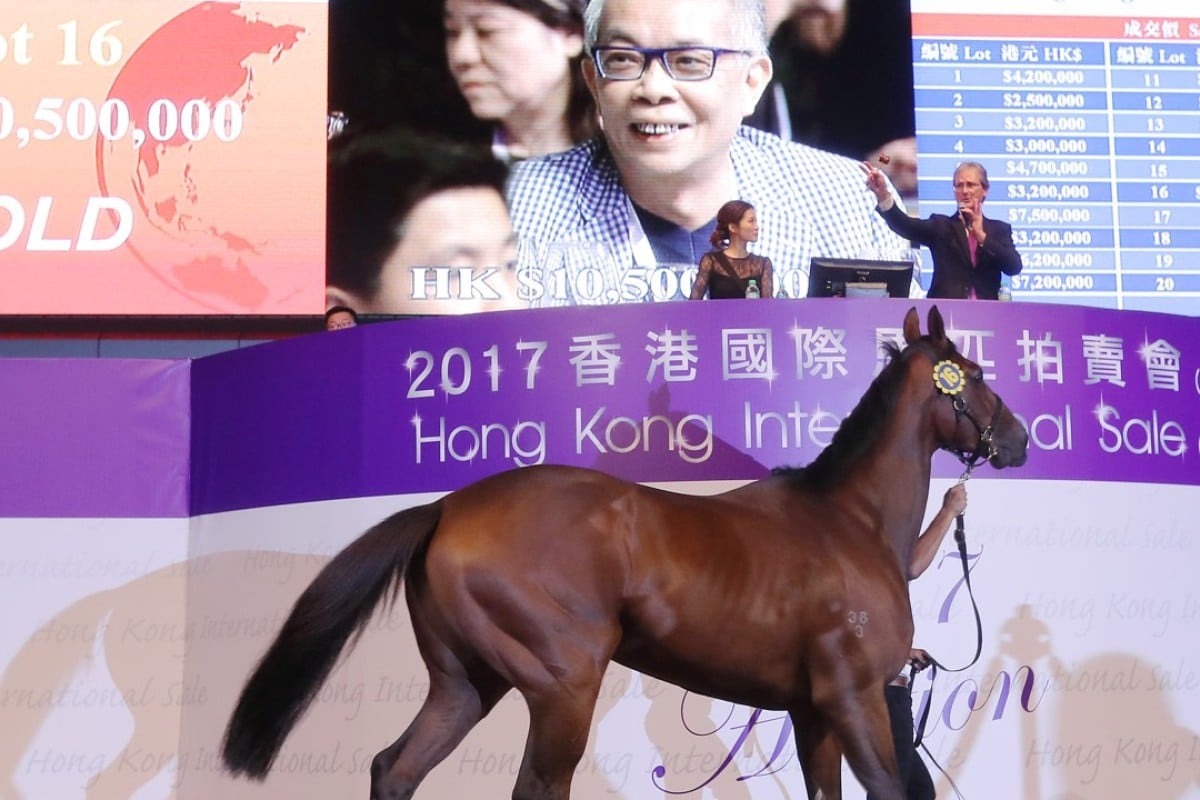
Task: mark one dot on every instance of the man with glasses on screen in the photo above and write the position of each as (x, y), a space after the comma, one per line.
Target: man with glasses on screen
(673, 80)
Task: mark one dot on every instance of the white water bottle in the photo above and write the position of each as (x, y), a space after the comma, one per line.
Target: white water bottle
(752, 291)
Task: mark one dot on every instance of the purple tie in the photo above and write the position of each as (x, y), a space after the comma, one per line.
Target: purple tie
(973, 246)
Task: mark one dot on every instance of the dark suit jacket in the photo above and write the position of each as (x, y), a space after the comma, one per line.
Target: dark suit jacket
(946, 238)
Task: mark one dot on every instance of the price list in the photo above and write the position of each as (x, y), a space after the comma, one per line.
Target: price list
(1090, 131)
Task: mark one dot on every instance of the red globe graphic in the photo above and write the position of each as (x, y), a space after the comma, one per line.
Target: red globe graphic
(228, 218)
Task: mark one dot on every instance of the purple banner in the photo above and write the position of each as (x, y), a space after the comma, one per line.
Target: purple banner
(675, 391)
(93, 438)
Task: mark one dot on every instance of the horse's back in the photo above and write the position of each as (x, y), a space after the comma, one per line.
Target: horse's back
(550, 531)
(535, 507)
(565, 513)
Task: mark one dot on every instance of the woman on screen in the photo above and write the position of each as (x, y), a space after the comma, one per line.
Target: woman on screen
(730, 270)
(516, 62)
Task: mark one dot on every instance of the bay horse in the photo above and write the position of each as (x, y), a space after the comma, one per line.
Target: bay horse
(788, 593)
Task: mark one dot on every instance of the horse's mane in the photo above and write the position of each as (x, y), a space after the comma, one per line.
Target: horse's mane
(861, 427)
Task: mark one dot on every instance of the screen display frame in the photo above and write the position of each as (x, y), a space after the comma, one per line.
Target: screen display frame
(829, 277)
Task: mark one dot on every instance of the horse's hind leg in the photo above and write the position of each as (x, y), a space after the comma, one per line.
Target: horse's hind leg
(559, 677)
(453, 707)
(560, 715)
(457, 700)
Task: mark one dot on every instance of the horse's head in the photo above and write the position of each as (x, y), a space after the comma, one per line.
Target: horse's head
(970, 419)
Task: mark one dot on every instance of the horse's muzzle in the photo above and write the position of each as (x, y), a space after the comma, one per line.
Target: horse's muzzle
(1012, 446)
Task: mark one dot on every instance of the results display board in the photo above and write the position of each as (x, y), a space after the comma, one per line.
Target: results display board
(162, 157)
(1087, 116)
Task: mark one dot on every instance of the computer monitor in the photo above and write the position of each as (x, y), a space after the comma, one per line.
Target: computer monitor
(858, 277)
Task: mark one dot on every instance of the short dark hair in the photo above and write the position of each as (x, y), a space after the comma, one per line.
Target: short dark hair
(329, 312)
(374, 181)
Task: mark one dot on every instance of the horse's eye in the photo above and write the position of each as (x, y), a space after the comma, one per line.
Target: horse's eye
(977, 377)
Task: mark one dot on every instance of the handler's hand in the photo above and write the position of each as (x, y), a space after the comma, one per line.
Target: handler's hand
(955, 500)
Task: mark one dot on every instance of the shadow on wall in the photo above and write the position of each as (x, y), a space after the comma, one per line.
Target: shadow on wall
(172, 649)
(1103, 729)
(169, 651)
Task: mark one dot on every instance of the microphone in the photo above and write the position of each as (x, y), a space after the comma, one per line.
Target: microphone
(965, 214)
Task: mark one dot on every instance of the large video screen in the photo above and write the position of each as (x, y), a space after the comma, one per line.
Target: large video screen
(162, 157)
(1087, 115)
(504, 78)
(172, 157)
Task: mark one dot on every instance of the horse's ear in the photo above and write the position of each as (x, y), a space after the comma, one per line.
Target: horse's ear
(912, 325)
(937, 329)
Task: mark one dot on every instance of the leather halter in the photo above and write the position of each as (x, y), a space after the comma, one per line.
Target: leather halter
(949, 379)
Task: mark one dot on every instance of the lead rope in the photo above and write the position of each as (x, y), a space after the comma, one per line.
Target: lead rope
(960, 537)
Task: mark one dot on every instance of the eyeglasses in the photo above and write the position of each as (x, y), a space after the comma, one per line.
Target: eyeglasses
(680, 63)
(967, 185)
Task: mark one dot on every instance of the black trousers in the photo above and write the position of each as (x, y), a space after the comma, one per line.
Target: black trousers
(914, 776)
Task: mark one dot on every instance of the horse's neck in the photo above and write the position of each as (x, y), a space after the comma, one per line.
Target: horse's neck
(892, 488)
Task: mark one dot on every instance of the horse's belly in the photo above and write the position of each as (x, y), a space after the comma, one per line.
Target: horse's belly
(715, 672)
(759, 661)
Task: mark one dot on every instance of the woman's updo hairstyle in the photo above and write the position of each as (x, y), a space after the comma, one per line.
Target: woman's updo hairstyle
(729, 214)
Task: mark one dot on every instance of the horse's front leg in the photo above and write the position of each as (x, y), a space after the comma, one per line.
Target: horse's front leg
(820, 755)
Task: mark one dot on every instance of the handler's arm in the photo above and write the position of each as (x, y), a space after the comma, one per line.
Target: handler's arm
(953, 504)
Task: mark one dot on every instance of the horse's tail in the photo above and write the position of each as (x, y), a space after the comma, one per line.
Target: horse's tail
(336, 606)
